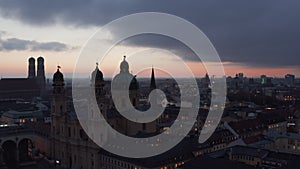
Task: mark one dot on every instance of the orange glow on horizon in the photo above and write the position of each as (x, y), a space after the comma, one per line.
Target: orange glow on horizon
(20, 70)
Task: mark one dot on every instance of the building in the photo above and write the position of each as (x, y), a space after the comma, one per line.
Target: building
(284, 142)
(22, 112)
(262, 158)
(174, 158)
(290, 80)
(220, 140)
(24, 88)
(70, 145)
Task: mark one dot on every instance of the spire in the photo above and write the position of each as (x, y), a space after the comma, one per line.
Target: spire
(153, 83)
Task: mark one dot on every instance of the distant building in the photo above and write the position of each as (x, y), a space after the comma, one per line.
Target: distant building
(25, 88)
(266, 81)
(284, 142)
(290, 80)
(205, 81)
(22, 117)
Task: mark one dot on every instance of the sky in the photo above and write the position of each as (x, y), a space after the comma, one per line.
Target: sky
(255, 37)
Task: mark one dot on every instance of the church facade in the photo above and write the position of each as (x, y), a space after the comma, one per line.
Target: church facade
(70, 146)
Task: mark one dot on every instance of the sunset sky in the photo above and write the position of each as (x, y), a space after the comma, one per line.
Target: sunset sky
(255, 37)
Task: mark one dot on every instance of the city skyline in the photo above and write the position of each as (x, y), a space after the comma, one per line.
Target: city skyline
(137, 84)
(143, 72)
(262, 42)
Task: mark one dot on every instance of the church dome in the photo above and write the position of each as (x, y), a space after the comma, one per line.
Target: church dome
(97, 75)
(124, 66)
(58, 76)
(40, 59)
(31, 60)
(124, 77)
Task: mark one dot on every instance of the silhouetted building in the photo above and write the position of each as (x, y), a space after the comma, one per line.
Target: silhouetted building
(152, 83)
(266, 81)
(41, 79)
(24, 88)
(290, 80)
(205, 81)
(70, 145)
(31, 68)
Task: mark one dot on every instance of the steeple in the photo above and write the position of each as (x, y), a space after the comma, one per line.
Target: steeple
(153, 83)
(58, 94)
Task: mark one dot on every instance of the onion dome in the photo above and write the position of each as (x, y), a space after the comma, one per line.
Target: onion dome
(58, 76)
(40, 59)
(97, 75)
(31, 60)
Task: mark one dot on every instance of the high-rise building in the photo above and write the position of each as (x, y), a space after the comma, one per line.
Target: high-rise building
(290, 80)
(266, 81)
(263, 79)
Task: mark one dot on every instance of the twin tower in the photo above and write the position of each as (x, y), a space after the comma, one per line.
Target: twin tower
(40, 74)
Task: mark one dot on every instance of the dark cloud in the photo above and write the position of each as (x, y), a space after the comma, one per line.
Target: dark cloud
(255, 33)
(14, 44)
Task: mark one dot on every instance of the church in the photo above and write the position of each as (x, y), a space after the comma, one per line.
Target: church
(25, 88)
(70, 146)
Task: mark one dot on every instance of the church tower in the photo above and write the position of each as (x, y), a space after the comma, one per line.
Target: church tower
(58, 111)
(41, 79)
(31, 68)
(58, 97)
(98, 83)
(153, 83)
